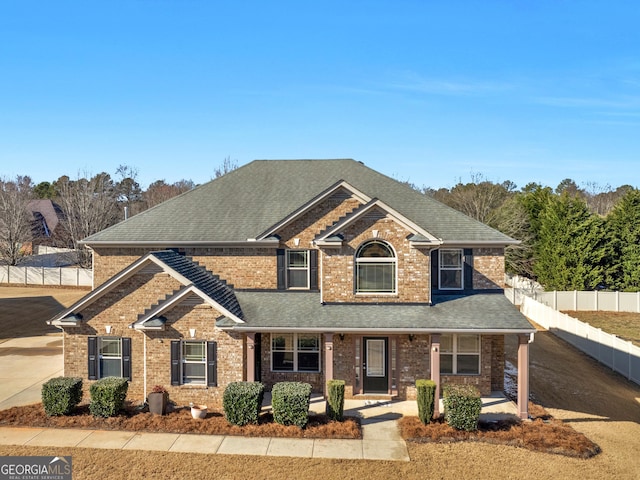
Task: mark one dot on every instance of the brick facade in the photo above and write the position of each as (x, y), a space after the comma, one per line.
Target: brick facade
(256, 268)
(488, 268)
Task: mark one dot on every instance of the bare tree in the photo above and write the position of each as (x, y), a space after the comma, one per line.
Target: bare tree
(227, 166)
(89, 206)
(480, 199)
(15, 217)
(128, 191)
(160, 191)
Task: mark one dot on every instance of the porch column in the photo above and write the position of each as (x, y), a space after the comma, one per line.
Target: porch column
(251, 357)
(523, 376)
(328, 359)
(435, 371)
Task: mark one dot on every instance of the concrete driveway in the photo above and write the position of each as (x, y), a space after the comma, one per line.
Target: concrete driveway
(25, 364)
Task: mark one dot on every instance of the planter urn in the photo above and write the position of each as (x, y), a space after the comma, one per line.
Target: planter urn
(198, 411)
(157, 403)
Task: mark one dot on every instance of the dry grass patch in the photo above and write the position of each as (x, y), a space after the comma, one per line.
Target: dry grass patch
(178, 421)
(543, 434)
(625, 325)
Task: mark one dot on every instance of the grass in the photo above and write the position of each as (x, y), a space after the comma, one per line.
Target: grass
(625, 325)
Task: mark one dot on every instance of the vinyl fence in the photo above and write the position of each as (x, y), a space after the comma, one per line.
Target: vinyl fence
(67, 276)
(591, 301)
(615, 353)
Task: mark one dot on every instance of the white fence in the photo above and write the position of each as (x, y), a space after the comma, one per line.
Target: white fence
(68, 276)
(590, 301)
(617, 354)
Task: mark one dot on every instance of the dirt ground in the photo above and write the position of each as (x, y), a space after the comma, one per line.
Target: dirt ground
(591, 398)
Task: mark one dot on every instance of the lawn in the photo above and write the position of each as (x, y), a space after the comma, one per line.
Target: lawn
(625, 325)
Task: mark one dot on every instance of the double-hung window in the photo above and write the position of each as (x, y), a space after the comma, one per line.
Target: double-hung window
(194, 362)
(460, 354)
(295, 352)
(109, 357)
(375, 268)
(451, 269)
(298, 269)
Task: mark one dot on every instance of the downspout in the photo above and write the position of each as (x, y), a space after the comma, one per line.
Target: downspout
(144, 375)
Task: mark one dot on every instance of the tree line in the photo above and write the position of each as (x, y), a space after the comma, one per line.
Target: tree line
(86, 205)
(571, 237)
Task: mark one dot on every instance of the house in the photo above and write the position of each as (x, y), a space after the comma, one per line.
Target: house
(46, 225)
(296, 270)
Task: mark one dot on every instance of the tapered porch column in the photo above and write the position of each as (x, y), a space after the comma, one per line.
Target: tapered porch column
(251, 357)
(328, 359)
(435, 371)
(523, 376)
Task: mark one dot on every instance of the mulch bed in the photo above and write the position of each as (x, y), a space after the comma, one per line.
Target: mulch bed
(542, 434)
(179, 421)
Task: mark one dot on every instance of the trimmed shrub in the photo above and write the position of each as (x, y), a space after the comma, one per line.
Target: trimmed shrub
(242, 402)
(462, 405)
(335, 400)
(426, 399)
(290, 402)
(61, 395)
(107, 396)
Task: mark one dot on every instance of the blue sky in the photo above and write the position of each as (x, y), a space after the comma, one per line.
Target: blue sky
(425, 91)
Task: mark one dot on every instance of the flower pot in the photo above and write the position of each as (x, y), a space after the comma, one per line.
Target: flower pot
(199, 411)
(157, 403)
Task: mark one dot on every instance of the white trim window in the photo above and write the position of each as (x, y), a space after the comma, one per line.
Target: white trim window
(376, 268)
(298, 269)
(295, 352)
(194, 362)
(460, 354)
(451, 269)
(110, 357)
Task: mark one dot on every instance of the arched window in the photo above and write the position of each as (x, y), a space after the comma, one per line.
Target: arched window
(375, 268)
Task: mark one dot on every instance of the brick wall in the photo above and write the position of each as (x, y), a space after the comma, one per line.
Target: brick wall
(121, 307)
(413, 281)
(488, 266)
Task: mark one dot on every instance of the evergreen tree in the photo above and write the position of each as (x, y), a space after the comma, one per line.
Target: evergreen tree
(624, 227)
(572, 248)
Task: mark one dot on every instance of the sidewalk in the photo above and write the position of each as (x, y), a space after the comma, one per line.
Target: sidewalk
(380, 436)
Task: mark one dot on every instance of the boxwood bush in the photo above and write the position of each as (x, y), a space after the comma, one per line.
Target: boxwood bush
(335, 400)
(426, 392)
(462, 405)
(242, 402)
(107, 396)
(290, 402)
(61, 395)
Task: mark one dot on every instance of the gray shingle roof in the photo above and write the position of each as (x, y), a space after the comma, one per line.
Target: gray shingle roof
(250, 200)
(209, 284)
(303, 311)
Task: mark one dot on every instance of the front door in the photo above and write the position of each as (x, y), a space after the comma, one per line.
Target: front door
(376, 366)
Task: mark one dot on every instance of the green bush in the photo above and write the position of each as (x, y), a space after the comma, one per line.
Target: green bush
(242, 402)
(61, 395)
(462, 405)
(426, 399)
(290, 402)
(335, 400)
(107, 396)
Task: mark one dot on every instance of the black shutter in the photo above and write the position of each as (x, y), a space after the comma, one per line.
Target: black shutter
(126, 358)
(468, 268)
(212, 364)
(175, 362)
(93, 358)
(282, 274)
(313, 269)
(435, 271)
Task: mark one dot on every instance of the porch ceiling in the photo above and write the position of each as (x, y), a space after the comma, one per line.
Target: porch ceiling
(491, 313)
